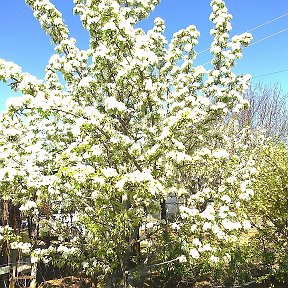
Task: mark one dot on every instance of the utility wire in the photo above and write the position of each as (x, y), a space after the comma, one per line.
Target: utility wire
(203, 51)
(255, 28)
(267, 74)
(254, 43)
(263, 75)
(272, 35)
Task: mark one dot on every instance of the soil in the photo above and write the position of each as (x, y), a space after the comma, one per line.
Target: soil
(74, 282)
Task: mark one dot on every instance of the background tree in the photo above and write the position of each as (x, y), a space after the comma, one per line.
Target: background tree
(268, 110)
(268, 209)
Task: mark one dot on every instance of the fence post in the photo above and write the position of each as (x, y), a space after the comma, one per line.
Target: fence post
(33, 283)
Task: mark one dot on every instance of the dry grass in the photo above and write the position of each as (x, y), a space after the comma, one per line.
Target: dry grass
(67, 282)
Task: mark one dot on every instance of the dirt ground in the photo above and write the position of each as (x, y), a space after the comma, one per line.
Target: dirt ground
(74, 282)
(67, 282)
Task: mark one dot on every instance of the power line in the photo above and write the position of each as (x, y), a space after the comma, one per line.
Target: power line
(258, 76)
(272, 35)
(255, 28)
(208, 49)
(271, 73)
(206, 63)
(254, 43)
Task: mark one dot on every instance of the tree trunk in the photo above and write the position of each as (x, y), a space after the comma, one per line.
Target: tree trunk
(133, 238)
(163, 210)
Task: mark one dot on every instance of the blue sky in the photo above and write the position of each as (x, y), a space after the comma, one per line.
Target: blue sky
(23, 41)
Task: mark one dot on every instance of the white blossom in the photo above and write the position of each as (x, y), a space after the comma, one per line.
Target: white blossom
(194, 253)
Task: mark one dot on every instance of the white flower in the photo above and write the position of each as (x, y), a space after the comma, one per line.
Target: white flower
(220, 153)
(46, 260)
(215, 49)
(109, 172)
(196, 242)
(12, 131)
(193, 228)
(188, 47)
(28, 206)
(223, 209)
(149, 84)
(109, 26)
(25, 247)
(113, 103)
(96, 150)
(214, 259)
(207, 225)
(185, 211)
(246, 195)
(226, 198)
(231, 179)
(34, 259)
(149, 225)
(194, 253)
(244, 185)
(215, 229)
(85, 81)
(85, 265)
(227, 257)
(175, 226)
(14, 245)
(68, 67)
(182, 259)
(62, 248)
(206, 247)
(229, 225)
(246, 224)
(209, 212)
(250, 192)
(13, 101)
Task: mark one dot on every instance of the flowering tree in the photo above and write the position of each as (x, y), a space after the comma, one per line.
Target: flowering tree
(91, 157)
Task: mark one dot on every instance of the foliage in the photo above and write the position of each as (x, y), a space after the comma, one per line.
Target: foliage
(268, 207)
